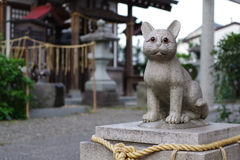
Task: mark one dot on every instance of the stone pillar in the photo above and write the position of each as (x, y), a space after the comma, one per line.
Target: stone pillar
(207, 42)
(74, 88)
(105, 86)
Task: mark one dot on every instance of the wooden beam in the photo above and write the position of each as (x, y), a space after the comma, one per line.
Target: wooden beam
(3, 18)
(105, 15)
(18, 5)
(130, 3)
(75, 24)
(165, 1)
(129, 10)
(128, 55)
(161, 4)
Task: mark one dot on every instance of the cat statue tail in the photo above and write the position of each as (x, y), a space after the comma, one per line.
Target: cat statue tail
(202, 103)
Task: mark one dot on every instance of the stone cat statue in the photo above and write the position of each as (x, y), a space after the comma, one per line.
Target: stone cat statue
(171, 93)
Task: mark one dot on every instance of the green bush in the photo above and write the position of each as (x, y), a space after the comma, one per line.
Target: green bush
(13, 85)
(227, 72)
(227, 67)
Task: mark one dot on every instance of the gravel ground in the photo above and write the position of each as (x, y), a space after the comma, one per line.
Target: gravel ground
(58, 138)
(81, 124)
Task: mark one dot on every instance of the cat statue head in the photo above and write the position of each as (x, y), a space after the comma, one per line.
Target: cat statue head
(160, 44)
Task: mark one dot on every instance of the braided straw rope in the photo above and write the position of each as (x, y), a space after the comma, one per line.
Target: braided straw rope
(122, 152)
(53, 53)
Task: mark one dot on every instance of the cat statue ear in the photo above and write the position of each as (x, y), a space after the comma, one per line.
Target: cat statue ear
(146, 29)
(174, 28)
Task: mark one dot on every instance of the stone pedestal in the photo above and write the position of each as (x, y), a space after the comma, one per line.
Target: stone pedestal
(104, 99)
(117, 74)
(74, 93)
(132, 135)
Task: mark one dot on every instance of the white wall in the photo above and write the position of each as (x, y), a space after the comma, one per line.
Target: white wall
(195, 33)
(221, 33)
(182, 48)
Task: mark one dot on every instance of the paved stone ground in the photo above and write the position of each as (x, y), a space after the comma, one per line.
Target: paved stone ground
(58, 138)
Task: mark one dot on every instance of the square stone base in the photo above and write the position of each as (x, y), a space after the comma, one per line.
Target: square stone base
(94, 151)
(132, 135)
(131, 132)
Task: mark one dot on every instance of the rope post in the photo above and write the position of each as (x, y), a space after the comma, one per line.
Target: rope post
(94, 81)
(46, 60)
(27, 88)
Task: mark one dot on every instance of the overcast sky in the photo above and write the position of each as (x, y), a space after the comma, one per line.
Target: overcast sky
(188, 12)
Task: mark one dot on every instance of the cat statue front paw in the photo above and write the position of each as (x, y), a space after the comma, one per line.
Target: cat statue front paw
(173, 118)
(150, 117)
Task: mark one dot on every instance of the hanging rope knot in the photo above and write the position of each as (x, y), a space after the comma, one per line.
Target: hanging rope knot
(122, 152)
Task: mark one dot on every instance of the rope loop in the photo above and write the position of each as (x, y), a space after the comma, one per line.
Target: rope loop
(173, 155)
(223, 153)
(122, 152)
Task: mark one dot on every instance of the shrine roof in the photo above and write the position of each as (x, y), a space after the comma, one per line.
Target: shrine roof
(41, 12)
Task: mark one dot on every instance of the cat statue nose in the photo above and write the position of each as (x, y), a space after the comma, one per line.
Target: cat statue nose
(159, 43)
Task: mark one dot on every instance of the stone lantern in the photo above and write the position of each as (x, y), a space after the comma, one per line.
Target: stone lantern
(105, 86)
